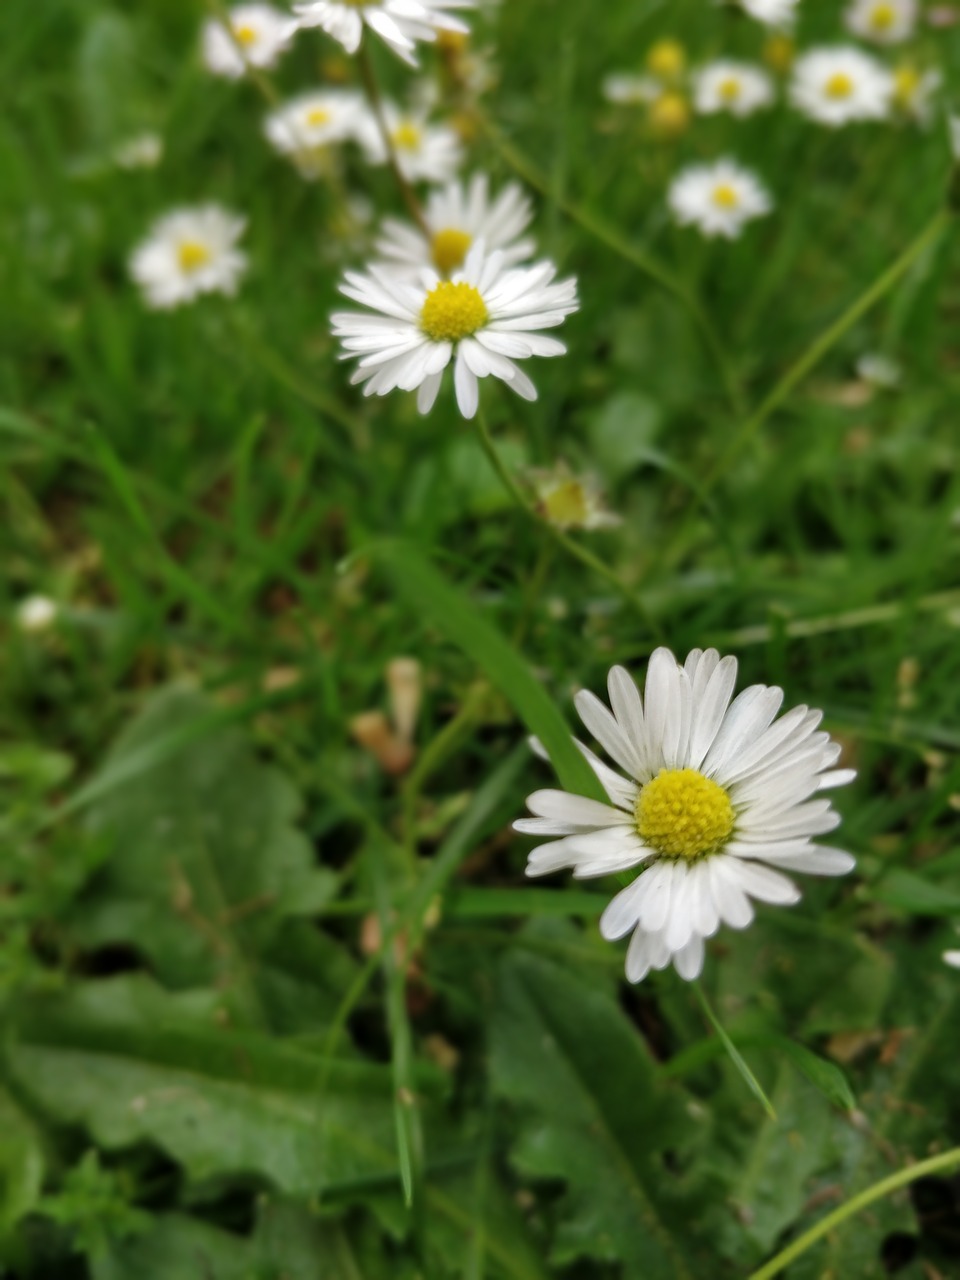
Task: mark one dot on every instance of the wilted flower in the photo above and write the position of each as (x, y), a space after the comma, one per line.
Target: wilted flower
(399, 23)
(835, 86)
(718, 802)
(189, 252)
(484, 319)
(731, 86)
(256, 37)
(571, 502)
(718, 198)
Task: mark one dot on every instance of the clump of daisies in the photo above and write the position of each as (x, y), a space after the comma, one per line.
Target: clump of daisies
(401, 24)
(720, 798)
(729, 86)
(719, 199)
(189, 252)
(840, 85)
(255, 36)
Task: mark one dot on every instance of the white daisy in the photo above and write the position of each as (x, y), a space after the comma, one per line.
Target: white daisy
(456, 217)
(631, 90)
(718, 802)
(882, 21)
(36, 613)
(483, 319)
(307, 126)
(772, 13)
(840, 84)
(571, 502)
(915, 91)
(424, 152)
(952, 958)
(256, 37)
(718, 198)
(399, 23)
(189, 252)
(953, 134)
(737, 87)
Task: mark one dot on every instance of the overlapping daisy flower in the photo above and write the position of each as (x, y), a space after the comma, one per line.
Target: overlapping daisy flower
(719, 199)
(189, 252)
(256, 36)
(841, 84)
(882, 21)
(424, 152)
(772, 13)
(720, 798)
(308, 125)
(735, 87)
(455, 218)
(483, 319)
(401, 24)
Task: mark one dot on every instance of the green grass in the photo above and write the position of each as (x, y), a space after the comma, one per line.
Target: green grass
(266, 1091)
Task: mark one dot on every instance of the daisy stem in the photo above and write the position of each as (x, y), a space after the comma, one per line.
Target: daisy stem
(372, 90)
(736, 1057)
(936, 1164)
(624, 249)
(572, 547)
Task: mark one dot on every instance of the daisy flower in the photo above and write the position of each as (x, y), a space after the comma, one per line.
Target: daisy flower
(719, 801)
(883, 21)
(307, 126)
(424, 152)
(399, 23)
(718, 198)
(667, 60)
(952, 958)
(772, 13)
(571, 502)
(840, 84)
(189, 252)
(36, 613)
(731, 86)
(484, 319)
(257, 35)
(915, 91)
(457, 217)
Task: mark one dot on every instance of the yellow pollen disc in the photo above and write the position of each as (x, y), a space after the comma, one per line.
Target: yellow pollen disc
(906, 82)
(451, 42)
(449, 248)
(729, 89)
(725, 197)
(778, 52)
(317, 116)
(883, 17)
(682, 814)
(452, 311)
(406, 136)
(566, 505)
(666, 59)
(244, 35)
(192, 255)
(839, 85)
(669, 114)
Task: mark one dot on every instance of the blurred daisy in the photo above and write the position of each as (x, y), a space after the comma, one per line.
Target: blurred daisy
(883, 21)
(718, 198)
(731, 86)
(483, 319)
(879, 371)
(953, 134)
(772, 13)
(630, 90)
(456, 217)
(142, 151)
(837, 85)
(668, 115)
(399, 23)
(36, 613)
(306, 127)
(667, 60)
(719, 800)
(425, 152)
(952, 958)
(189, 252)
(256, 37)
(915, 92)
(571, 502)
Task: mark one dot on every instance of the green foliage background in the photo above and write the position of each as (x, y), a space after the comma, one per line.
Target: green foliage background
(269, 1013)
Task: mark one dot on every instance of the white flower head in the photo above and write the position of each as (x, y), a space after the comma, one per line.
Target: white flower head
(718, 198)
(36, 613)
(142, 151)
(483, 319)
(568, 501)
(720, 799)
(257, 35)
(953, 133)
(189, 252)
(878, 370)
(882, 21)
(841, 84)
(309, 124)
(631, 90)
(915, 91)
(772, 13)
(424, 152)
(456, 217)
(736, 87)
(952, 958)
(399, 23)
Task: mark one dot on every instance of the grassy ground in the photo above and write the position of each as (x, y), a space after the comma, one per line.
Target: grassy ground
(211, 1066)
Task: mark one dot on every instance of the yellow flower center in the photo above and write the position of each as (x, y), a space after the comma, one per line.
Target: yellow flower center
(906, 82)
(725, 196)
(449, 248)
(682, 814)
(192, 255)
(729, 89)
(666, 59)
(451, 42)
(452, 311)
(317, 116)
(669, 114)
(778, 52)
(566, 505)
(840, 85)
(244, 35)
(882, 17)
(406, 136)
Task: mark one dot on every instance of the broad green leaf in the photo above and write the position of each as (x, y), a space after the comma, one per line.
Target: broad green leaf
(448, 609)
(21, 1163)
(177, 1245)
(823, 1074)
(622, 432)
(206, 862)
(594, 1116)
(910, 892)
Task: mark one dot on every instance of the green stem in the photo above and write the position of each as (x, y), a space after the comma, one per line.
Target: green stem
(372, 90)
(936, 1164)
(571, 547)
(753, 1084)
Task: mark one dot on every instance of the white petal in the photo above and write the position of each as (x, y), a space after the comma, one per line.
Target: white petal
(608, 732)
(688, 962)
